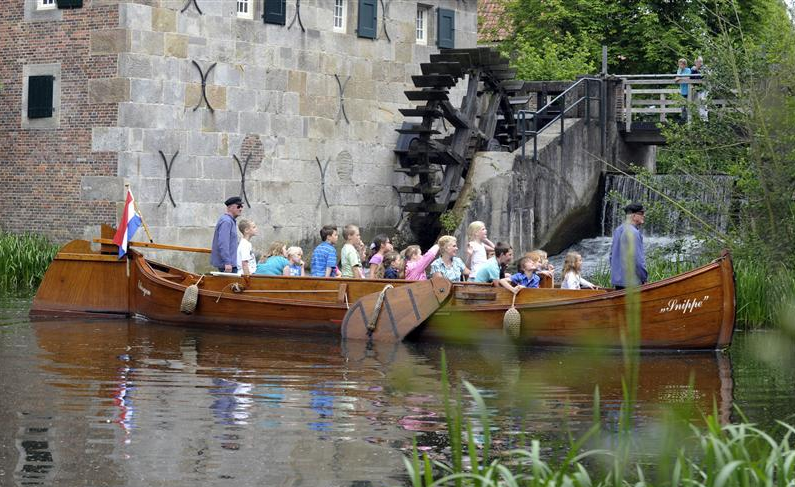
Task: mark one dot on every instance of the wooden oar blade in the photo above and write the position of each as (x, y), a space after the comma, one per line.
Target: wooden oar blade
(390, 315)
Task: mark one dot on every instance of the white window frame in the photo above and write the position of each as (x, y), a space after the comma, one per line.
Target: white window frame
(245, 9)
(46, 5)
(421, 23)
(340, 15)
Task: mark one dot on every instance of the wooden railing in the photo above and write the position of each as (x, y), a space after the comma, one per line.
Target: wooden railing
(658, 95)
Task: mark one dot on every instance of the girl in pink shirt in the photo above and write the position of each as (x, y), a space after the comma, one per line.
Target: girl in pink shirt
(417, 263)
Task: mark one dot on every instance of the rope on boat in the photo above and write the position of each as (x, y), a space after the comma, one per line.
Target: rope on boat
(190, 297)
(512, 321)
(377, 309)
(235, 286)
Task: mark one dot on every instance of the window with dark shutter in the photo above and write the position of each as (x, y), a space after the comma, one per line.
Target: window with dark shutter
(69, 3)
(275, 12)
(368, 19)
(445, 37)
(40, 96)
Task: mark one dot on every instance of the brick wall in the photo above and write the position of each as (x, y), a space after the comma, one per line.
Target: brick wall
(43, 171)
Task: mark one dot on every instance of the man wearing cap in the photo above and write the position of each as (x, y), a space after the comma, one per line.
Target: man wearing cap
(627, 260)
(224, 249)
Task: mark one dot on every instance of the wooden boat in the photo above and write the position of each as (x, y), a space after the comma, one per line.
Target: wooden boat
(694, 310)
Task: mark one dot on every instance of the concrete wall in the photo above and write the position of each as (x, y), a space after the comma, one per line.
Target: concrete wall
(275, 96)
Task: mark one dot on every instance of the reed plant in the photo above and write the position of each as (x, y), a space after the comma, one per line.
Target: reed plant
(23, 260)
(694, 454)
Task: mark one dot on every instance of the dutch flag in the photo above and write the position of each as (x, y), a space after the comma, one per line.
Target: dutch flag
(130, 221)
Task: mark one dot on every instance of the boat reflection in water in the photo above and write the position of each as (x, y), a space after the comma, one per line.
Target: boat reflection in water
(121, 403)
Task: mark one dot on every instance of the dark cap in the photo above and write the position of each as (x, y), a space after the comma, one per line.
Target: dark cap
(234, 200)
(634, 208)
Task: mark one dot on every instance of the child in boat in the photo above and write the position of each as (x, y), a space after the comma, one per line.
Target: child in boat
(390, 266)
(545, 268)
(246, 262)
(448, 264)
(572, 266)
(324, 257)
(350, 261)
(490, 270)
(380, 246)
(296, 266)
(416, 262)
(477, 246)
(528, 266)
(276, 261)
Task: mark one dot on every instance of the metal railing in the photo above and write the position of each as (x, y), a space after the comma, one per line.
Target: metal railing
(559, 105)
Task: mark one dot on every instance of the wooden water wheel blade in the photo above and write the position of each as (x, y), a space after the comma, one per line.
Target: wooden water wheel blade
(512, 85)
(401, 311)
(504, 75)
(420, 112)
(434, 81)
(413, 171)
(418, 130)
(423, 207)
(426, 95)
(444, 57)
(452, 115)
(519, 100)
(453, 69)
(419, 189)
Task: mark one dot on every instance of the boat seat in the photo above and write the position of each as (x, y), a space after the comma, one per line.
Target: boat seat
(475, 295)
(168, 275)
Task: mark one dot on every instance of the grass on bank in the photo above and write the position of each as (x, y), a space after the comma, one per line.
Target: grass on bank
(23, 260)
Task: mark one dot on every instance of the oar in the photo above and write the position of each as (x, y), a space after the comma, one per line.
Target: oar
(392, 313)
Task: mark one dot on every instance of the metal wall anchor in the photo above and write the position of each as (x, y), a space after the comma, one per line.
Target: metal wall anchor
(204, 86)
(384, 9)
(187, 4)
(297, 16)
(168, 165)
(323, 168)
(341, 109)
(243, 168)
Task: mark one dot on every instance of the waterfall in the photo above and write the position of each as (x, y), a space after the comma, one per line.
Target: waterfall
(708, 197)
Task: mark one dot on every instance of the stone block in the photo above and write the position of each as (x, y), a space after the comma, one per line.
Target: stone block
(220, 121)
(198, 214)
(169, 68)
(255, 77)
(109, 41)
(290, 103)
(285, 126)
(227, 74)
(101, 188)
(108, 90)
(201, 190)
(135, 65)
(202, 144)
(218, 168)
(136, 115)
(276, 79)
(173, 92)
(220, 50)
(176, 45)
(135, 140)
(164, 20)
(145, 90)
(296, 81)
(191, 25)
(108, 139)
(404, 52)
(168, 141)
(193, 95)
(308, 61)
(322, 128)
(241, 99)
(145, 42)
(134, 16)
(255, 123)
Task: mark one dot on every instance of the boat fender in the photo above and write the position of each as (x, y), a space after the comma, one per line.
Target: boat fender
(377, 310)
(512, 321)
(190, 297)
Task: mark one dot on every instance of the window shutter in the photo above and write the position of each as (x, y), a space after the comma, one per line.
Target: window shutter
(40, 96)
(368, 18)
(69, 3)
(445, 37)
(275, 12)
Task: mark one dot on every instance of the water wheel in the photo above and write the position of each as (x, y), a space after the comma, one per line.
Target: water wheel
(438, 156)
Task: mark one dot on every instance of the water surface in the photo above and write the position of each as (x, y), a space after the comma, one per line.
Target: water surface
(126, 403)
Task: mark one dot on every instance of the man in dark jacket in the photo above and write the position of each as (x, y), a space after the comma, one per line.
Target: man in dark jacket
(224, 249)
(627, 259)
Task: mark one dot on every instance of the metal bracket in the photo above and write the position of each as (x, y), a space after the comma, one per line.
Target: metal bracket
(297, 16)
(168, 165)
(323, 168)
(187, 4)
(341, 109)
(384, 9)
(204, 86)
(243, 168)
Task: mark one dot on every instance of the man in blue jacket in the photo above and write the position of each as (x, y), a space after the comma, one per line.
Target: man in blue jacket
(224, 249)
(627, 259)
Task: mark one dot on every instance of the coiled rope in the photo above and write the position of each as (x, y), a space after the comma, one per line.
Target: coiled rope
(235, 286)
(377, 309)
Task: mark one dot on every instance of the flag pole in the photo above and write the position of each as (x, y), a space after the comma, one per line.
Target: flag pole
(135, 205)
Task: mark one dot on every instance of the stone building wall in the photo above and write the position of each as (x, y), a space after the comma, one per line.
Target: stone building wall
(276, 103)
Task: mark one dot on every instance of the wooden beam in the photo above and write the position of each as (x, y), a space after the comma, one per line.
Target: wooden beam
(153, 245)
